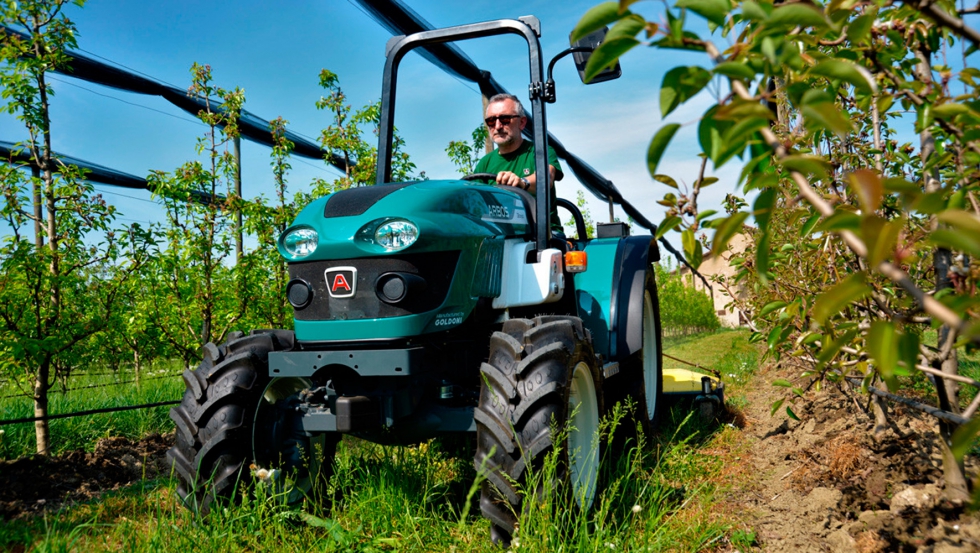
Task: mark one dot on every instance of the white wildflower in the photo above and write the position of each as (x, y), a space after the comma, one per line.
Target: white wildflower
(637, 509)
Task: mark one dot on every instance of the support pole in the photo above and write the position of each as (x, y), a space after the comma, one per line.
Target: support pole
(237, 152)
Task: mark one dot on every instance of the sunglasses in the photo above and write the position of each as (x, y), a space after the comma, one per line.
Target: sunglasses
(504, 120)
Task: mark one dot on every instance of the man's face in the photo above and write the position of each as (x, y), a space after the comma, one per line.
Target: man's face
(505, 135)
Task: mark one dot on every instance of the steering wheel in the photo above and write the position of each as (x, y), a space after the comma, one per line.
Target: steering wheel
(492, 177)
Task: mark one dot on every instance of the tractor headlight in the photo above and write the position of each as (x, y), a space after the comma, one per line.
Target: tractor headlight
(396, 234)
(300, 242)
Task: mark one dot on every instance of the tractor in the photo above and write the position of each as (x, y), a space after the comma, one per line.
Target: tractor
(429, 309)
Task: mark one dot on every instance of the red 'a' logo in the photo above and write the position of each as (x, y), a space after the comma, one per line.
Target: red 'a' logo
(340, 282)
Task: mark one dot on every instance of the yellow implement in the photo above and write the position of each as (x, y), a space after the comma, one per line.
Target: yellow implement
(683, 381)
(708, 392)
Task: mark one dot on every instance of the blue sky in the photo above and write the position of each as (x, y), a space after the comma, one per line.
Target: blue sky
(275, 52)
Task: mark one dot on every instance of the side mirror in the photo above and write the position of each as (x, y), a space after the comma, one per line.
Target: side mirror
(592, 41)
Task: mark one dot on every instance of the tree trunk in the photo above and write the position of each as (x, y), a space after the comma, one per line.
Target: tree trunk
(42, 431)
(136, 365)
(947, 389)
(942, 258)
(38, 205)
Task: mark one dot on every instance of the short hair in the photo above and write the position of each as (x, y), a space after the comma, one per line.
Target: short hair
(501, 97)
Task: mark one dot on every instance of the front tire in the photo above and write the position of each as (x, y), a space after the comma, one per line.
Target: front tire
(539, 373)
(234, 420)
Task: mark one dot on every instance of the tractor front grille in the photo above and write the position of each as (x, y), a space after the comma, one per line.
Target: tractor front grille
(436, 268)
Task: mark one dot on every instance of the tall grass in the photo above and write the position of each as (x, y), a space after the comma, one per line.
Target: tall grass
(115, 390)
(660, 493)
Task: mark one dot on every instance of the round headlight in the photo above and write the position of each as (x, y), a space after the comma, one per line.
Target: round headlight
(397, 234)
(300, 242)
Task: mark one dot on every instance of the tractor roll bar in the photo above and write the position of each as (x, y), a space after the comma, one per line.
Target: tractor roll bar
(530, 28)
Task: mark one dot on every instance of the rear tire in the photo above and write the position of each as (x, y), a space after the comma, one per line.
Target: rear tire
(539, 373)
(641, 378)
(235, 420)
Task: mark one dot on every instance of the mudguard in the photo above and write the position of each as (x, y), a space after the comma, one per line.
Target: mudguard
(609, 296)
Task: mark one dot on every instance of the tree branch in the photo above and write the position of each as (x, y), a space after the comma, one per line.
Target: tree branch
(890, 270)
(944, 19)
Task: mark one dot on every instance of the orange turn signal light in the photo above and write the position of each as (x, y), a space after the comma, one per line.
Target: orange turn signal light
(576, 262)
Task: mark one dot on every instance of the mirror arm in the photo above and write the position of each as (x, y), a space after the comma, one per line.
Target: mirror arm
(549, 86)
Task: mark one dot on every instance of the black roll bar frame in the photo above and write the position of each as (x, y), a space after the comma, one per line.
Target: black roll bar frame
(528, 27)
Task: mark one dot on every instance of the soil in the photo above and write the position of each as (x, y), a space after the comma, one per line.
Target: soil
(827, 482)
(830, 482)
(33, 485)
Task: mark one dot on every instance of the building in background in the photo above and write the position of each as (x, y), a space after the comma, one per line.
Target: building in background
(721, 276)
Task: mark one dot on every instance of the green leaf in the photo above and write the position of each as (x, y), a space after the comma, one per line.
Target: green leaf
(859, 29)
(735, 70)
(705, 214)
(867, 186)
(900, 185)
(680, 84)
(807, 164)
(729, 227)
(768, 48)
(607, 54)
(957, 241)
(963, 438)
(739, 109)
(693, 251)
(627, 27)
(812, 337)
(742, 131)
(596, 18)
(782, 383)
(791, 414)
(962, 220)
(908, 350)
(714, 11)
(762, 256)
(848, 72)
(883, 347)
(807, 227)
(754, 12)
(667, 224)
(763, 206)
(770, 307)
(931, 203)
(957, 200)
(828, 304)
(775, 406)
(778, 334)
(826, 116)
(658, 145)
(881, 237)
(830, 350)
(950, 110)
(792, 15)
(666, 179)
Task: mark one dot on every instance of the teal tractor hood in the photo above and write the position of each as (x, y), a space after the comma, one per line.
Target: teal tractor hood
(455, 220)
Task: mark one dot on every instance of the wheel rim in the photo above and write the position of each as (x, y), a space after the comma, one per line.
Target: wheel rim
(583, 458)
(279, 447)
(651, 382)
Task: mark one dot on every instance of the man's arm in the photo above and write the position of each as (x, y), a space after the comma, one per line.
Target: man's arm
(508, 178)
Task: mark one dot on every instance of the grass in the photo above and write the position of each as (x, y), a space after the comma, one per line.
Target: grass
(661, 495)
(918, 385)
(162, 383)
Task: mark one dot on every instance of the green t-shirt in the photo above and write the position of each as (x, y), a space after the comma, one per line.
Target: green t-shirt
(521, 163)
